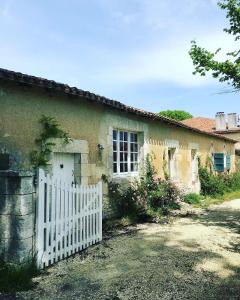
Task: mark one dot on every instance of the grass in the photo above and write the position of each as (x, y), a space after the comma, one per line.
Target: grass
(205, 202)
(17, 277)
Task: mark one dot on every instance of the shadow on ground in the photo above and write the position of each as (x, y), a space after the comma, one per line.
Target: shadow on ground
(190, 259)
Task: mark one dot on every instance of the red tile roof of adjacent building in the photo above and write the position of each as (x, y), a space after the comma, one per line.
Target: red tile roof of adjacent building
(201, 123)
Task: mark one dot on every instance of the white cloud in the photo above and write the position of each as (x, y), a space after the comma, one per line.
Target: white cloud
(171, 22)
(154, 13)
(167, 63)
(161, 54)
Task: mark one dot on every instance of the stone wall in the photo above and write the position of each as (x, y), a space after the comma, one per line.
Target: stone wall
(17, 215)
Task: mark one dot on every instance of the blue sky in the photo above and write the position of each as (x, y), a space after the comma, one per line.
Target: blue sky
(134, 51)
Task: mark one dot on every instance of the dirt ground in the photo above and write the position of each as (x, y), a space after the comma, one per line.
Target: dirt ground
(192, 258)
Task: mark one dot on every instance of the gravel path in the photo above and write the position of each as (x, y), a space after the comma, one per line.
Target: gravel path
(193, 258)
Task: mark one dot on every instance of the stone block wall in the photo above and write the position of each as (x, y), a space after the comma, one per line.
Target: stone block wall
(17, 215)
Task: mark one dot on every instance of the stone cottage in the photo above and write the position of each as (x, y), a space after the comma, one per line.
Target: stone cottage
(225, 125)
(107, 137)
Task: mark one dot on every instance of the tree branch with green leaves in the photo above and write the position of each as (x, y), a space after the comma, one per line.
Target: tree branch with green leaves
(205, 61)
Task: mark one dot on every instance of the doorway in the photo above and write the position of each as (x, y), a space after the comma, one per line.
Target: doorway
(63, 167)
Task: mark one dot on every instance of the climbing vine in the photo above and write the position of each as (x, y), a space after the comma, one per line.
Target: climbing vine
(50, 129)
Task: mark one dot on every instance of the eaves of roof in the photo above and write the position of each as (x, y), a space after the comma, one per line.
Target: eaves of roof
(39, 82)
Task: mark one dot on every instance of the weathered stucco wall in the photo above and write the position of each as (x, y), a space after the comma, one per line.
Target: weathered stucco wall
(235, 136)
(22, 107)
(205, 145)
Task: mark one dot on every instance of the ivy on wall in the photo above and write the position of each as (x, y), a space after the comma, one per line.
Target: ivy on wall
(50, 129)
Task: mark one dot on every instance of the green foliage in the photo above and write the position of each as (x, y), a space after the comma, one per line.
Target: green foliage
(211, 184)
(165, 194)
(205, 61)
(126, 202)
(232, 181)
(233, 14)
(17, 277)
(178, 115)
(218, 184)
(50, 129)
(147, 194)
(192, 198)
(206, 201)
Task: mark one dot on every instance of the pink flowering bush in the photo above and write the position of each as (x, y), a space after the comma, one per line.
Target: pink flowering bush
(147, 194)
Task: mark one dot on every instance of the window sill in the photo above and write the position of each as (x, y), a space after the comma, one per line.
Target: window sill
(125, 175)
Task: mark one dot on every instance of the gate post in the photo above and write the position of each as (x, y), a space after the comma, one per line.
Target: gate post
(41, 190)
(17, 211)
(100, 209)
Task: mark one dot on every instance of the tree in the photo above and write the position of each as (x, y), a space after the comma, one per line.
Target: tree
(205, 61)
(178, 115)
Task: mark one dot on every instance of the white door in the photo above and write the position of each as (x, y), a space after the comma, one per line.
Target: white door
(63, 167)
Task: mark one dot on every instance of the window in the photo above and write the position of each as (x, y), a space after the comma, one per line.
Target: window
(218, 159)
(222, 162)
(125, 152)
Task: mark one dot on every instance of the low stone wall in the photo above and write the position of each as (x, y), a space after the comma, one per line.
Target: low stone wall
(17, 215)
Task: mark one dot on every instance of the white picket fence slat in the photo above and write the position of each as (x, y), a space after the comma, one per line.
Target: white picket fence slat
(69, 218)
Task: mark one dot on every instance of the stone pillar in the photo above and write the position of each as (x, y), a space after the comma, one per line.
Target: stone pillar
(17, 215)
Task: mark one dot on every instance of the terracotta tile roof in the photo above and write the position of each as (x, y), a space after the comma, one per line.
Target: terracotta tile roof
(201, 123)
(28, 80)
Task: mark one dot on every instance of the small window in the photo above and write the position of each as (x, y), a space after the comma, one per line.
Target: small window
(125, 152)
(218, 159)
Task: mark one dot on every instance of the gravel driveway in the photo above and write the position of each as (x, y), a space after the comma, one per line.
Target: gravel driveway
(193, 258)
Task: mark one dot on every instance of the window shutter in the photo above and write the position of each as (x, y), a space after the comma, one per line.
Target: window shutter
(228, 162)
(219, 162)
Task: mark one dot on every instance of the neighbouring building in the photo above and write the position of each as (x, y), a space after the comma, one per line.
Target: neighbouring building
(107, 137)
(225, 125)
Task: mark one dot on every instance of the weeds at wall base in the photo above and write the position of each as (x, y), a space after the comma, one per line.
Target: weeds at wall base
(17, 277)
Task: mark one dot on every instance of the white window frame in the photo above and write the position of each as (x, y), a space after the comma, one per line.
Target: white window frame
(129, 173)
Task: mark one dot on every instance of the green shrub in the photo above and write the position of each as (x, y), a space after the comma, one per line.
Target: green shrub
(217, 184)
(211, 184)
(148, 192)
(232, 181)
(126, 202)
(192, 198)
(165, 194)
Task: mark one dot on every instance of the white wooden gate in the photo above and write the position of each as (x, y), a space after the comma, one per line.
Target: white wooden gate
(69, 218)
